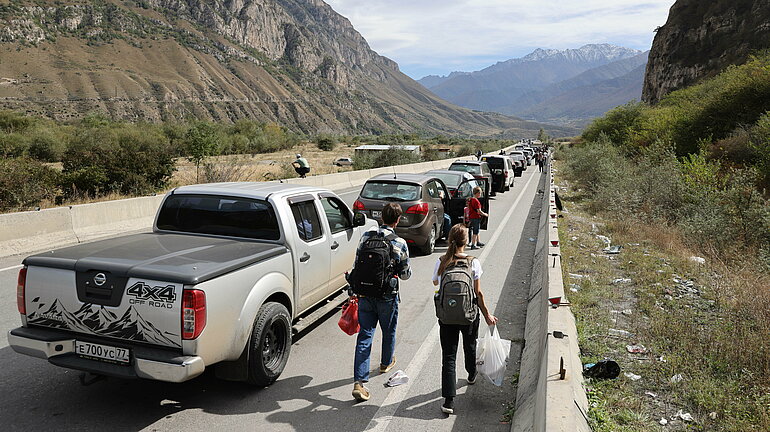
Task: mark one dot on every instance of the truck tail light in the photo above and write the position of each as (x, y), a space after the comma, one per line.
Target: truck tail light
(20, 291)
(358, 205)
(193, 313)
(420, 209)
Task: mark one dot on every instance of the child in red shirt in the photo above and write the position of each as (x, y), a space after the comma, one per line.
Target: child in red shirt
(475, 213)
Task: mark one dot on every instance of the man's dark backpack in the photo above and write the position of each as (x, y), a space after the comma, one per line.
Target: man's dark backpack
(374, 267)
(456, 299)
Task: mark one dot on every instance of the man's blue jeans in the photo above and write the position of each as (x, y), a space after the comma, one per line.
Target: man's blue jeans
(370, 312)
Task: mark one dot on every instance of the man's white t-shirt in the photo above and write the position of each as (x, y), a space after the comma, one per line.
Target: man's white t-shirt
(476, 270)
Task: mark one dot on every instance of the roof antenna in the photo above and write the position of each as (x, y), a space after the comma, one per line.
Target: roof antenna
(394, 173)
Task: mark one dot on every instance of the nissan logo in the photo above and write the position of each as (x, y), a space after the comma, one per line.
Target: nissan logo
(100, 279)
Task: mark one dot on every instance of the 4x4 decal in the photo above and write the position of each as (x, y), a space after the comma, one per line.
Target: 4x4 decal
(158, 296)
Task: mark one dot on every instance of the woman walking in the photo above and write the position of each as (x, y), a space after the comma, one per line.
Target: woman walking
(449, 334)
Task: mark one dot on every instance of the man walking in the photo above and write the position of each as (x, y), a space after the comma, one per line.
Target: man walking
(382, 259)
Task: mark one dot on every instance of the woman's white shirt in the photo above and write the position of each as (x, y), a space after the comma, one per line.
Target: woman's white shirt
(476, 270)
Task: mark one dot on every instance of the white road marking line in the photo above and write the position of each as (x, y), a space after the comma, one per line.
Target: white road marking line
(392, 402)
(12, 268)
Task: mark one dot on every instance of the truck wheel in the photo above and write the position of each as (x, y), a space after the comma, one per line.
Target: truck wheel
(427, 249)
(269, 344)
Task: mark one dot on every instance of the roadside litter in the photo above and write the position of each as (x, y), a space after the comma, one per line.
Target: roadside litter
(697, 259)
(574, 287)
(684, 416)
(663, 422)
(398, 378)
(677, 378)
(605, 369)
(632, 376)
(621, 281)
(612, 250)
(620, 333)
(651, 394)
(605, 239)
(579, 276)
(636, 349)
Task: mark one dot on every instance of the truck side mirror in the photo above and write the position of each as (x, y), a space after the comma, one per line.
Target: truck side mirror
(359, 220)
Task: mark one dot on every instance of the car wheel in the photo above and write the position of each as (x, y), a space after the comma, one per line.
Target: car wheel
(430, 245)
(269, 345)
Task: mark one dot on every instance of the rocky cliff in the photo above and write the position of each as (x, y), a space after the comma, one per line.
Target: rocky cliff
(702, 38)
(294, 62)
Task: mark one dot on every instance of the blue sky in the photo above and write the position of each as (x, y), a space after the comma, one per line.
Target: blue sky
(440, 36)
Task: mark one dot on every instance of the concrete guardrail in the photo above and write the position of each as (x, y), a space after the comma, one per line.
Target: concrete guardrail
(26, 232)
(550, 394)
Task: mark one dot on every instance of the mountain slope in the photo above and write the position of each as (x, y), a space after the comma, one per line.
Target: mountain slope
(502, 85)
(294, 62)
(578, 106)
(702, 38)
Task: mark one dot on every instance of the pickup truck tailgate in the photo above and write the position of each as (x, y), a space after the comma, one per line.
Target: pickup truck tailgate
(129, 288)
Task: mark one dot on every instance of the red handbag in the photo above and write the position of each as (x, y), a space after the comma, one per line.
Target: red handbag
(349, 320)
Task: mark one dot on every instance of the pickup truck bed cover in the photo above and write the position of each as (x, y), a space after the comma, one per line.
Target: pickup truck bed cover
(186, 259)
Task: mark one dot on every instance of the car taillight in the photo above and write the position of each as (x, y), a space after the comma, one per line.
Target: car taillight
(20, 288)
(506, 173)
(193, 313)
(420, 209)
(358, 205)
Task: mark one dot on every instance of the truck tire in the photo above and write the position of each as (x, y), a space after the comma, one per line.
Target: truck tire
(430, 244)
(269, 344)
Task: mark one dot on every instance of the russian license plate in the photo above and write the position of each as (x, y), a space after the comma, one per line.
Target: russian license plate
(376, 214)
(102, 352)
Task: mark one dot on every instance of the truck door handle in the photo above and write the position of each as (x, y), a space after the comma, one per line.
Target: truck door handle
(304, 257)
(335, 245)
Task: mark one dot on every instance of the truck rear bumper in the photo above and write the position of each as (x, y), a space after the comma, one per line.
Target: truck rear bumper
(59, 349)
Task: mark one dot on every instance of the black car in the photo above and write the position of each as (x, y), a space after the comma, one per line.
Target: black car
(498, 166)
(479, 169)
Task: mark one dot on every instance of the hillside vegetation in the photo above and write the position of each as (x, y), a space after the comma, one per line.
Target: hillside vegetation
(44, 162)
(688, 176)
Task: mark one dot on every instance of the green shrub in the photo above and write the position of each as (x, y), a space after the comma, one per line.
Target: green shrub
(25, 183)
(118, 158)
(13, 145)
(391, 157)
(325, 142)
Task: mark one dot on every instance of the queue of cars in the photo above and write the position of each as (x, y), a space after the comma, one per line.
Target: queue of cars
(225, 275)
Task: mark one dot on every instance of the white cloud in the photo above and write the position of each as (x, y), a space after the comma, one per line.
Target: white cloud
(439, 36)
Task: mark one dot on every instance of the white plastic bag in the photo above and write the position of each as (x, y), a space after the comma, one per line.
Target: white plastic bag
(492, 356)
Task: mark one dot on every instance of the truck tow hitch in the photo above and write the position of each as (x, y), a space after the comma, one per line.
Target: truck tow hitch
(88, 378)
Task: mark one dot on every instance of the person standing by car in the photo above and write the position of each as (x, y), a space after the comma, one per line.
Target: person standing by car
(475, 214)
(377, 289)
(301, 166)
(449, 333)
(540, 161)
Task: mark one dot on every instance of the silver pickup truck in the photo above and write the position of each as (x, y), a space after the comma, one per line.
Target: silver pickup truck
(226, 271)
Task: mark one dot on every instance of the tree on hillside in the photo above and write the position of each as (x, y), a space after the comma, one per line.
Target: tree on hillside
(542, 136)
(200, 143)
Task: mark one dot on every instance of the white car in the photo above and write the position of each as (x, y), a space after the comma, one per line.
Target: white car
(343, 161)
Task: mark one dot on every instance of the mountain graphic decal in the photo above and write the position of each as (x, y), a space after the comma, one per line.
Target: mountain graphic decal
(98, 320)
(132, 326)
(95, 317)
(56, 316)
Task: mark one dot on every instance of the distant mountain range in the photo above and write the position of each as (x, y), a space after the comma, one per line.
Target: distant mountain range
(566, 87)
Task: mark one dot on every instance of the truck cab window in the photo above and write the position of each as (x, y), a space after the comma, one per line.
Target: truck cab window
(306, 218)
(337, 214)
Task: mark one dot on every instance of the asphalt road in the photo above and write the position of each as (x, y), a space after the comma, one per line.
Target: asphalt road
(313, 394)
